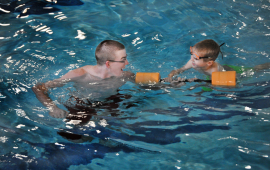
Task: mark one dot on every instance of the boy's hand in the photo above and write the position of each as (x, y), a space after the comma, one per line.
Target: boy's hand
(179, 79)
(172, 73)
(192, 79)
(178, 83)
(56, 112)
(168, 79)
(40, 87)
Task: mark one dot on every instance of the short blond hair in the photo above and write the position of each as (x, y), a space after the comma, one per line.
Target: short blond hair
(105, 50)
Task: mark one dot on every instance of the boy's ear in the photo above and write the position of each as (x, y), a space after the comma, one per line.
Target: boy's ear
(209, 63)
(107, 64)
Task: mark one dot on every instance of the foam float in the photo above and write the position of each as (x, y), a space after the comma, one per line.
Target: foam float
(224, 78)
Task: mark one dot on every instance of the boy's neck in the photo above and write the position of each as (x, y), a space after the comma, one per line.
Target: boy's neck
(102, 71)
(210, 66)
(207, 69)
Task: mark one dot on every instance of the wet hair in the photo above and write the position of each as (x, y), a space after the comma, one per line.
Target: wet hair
(207, 48)
(105, 50)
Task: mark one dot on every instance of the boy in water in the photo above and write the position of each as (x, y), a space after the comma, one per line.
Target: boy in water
(94, 82)
(203, 56)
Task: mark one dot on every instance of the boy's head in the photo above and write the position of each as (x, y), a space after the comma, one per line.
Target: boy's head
(112, 54)
(106, 50)
(207, 49)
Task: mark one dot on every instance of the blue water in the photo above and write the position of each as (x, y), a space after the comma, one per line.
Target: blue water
(137, 128)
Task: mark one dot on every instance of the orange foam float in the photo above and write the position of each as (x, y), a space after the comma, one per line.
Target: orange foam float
(146, 78)
(224, 78)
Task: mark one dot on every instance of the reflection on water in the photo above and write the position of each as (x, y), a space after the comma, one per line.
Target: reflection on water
(24, 8)
(173, 127)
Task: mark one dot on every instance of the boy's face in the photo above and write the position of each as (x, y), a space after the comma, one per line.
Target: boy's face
(196, 62)
(119, 63)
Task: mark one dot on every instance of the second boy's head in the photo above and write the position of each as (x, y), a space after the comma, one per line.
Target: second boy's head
(206, 50)
(204, 53)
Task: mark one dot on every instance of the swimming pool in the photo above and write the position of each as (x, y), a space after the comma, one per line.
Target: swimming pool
(138, 128)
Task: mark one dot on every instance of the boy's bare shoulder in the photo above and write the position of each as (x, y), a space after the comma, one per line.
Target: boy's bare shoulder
(217, 67)
(88, 67)
(74, 73)
(79, 72)
(210, 71)
(87, 77)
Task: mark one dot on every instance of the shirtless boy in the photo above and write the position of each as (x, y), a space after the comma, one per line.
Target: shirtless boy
(203, 56)
(94, 81)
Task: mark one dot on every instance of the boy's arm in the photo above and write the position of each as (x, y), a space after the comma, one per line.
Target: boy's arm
(41, 91)
(181, 70)
(178, 71)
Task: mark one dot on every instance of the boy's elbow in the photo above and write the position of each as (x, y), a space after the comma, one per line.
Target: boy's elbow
(34, 88)
(39, 87)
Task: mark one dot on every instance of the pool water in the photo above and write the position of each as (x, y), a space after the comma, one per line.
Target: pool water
(139, 127)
